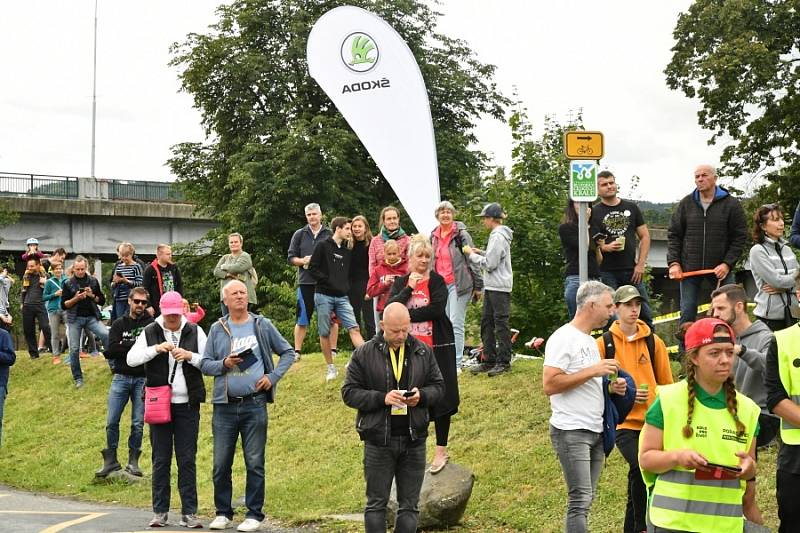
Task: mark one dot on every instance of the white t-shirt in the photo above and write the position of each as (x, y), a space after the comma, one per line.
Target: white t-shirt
(572, 350)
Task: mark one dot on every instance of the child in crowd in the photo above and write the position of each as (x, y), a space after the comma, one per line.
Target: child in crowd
(32, 250)
(383, 276)
(193, 313)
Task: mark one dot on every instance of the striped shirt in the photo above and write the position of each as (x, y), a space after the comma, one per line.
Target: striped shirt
(133, 273)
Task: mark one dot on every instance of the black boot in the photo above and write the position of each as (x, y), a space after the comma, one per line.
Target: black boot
(110, 463)
(133, 462)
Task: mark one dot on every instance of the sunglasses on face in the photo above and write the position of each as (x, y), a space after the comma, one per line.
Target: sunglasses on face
(139, 302)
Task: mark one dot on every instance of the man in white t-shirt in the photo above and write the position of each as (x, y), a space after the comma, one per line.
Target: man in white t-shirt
(573, 379)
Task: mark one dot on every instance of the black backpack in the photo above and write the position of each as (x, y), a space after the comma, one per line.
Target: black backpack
(611, 350)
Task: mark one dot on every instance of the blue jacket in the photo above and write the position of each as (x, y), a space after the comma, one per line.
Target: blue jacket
(218, 347)
(617, 408)
(51, 286)
(7, 356)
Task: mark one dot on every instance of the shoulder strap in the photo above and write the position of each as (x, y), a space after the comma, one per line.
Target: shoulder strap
(651, 349)
(608, 342)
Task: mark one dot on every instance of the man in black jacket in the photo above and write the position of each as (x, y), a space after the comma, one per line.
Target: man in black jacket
(708, 230)
(392, 380)
(330, 267)
(127, 384)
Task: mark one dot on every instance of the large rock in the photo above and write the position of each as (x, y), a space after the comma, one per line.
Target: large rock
(118, 476)
(442, 500)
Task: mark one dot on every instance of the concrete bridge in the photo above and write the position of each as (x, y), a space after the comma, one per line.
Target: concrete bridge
(91, 216)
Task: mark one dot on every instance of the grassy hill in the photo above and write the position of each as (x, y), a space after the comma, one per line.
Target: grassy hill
(53, 435)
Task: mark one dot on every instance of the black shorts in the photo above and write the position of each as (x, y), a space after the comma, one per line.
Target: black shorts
(305, 304)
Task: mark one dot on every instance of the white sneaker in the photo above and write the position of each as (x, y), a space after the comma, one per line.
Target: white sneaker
(220, 522)
(250, 524)
(332, 373)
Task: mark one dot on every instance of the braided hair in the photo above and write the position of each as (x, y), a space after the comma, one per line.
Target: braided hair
(691, 381)
(733, 405)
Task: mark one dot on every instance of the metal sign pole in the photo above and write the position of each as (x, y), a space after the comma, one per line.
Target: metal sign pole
(583, 242)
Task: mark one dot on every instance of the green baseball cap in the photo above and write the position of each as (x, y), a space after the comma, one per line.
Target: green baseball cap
(626, 293)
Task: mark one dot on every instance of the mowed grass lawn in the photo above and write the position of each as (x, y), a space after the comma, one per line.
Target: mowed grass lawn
(53, 434)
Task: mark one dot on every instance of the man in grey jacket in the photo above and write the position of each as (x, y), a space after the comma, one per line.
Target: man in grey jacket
(301, 247)
(238, 354)
(498, 281)
(729, 303)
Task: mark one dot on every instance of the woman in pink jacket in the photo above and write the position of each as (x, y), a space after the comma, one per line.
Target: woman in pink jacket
(390, 229)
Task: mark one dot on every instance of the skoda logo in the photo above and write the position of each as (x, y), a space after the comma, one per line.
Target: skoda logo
(359, 52)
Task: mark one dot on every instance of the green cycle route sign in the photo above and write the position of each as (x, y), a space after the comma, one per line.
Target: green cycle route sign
(583, 181)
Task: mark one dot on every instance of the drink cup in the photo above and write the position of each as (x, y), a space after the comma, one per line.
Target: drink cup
(621, 241)
(643, 387)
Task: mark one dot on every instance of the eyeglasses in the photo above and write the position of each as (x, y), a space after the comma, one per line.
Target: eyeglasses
(770, 206)
(139, 302)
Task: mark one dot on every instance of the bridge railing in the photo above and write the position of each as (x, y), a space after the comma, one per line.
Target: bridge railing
(147, 191)
(15, 184)
(48, 186)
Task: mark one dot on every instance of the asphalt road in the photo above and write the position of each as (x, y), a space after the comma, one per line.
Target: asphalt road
(25, 512)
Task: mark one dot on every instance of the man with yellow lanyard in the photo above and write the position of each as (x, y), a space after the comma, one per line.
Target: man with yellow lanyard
(782, 382)
(697, 448)
(392, 380)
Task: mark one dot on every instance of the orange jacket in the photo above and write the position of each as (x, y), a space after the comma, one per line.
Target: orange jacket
(634, 358)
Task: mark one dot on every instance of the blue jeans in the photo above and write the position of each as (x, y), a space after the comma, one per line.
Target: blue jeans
(75, 327)
(457, 311)
(3, 393)
(617, 278)
(580, 453)
(403, 461)
(119, 309)
(124, 388)
(326, 305)
(248, 418)
(571, 284)
(690, 291)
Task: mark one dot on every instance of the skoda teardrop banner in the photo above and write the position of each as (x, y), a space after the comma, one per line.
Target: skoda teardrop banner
(368, 71)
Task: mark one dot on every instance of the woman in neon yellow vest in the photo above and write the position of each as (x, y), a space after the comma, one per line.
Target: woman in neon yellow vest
(692, 426)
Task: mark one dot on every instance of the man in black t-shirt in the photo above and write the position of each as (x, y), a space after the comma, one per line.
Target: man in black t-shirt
(617, 224)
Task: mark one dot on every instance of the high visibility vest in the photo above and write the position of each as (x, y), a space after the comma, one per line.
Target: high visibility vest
(678, 501)
(789, 370)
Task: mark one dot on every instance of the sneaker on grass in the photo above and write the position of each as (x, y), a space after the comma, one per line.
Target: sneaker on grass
(220, 522)
(191, 521)
(332, 373)
(250, 524)
(158, 520)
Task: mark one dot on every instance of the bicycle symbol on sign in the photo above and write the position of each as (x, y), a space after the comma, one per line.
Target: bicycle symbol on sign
(585, 150)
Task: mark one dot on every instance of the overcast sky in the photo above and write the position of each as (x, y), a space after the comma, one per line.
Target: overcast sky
(604, 56)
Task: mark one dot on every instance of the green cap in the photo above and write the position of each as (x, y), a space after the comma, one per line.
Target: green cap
(626, 293)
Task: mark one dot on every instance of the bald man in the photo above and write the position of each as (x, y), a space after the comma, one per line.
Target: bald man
(392, 417)
(708, 230)
(239, 356)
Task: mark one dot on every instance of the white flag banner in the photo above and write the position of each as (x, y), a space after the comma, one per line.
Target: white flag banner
(369, 72)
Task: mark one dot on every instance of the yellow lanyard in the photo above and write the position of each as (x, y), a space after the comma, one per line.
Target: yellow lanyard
(397, 364)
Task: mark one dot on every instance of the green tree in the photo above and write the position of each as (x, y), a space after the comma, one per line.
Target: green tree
(740, 59)
(534, 197)
(276, 142)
